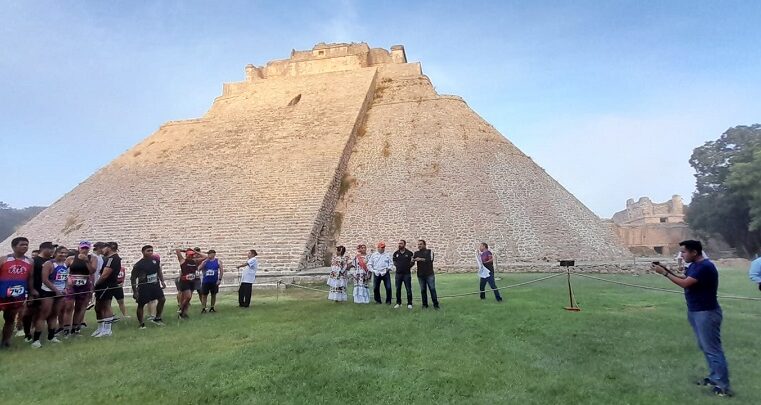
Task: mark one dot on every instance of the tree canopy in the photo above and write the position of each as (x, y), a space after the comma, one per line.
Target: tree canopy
(12, 218)
(727, 199)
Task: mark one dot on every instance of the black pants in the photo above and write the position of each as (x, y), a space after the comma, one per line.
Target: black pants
(386, 278)
(405, 279)
(244, 294)
(429, 283)
(492, 284)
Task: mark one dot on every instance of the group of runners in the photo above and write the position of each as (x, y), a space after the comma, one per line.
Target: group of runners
(52, 290)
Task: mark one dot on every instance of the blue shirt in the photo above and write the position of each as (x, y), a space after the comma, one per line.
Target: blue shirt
(755, 271)
(211, 271)
(701, 296)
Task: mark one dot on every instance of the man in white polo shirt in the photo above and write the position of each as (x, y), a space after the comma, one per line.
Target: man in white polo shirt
(248, 276)
(380, 265)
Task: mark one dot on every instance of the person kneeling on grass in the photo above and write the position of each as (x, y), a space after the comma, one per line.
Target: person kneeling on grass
(700, 283)
(147, 281)
(247, 279)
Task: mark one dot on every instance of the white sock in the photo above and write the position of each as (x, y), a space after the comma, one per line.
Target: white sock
(100, 325)
(107, 324)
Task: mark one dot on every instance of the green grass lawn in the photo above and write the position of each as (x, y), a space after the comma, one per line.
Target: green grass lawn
(627, 346)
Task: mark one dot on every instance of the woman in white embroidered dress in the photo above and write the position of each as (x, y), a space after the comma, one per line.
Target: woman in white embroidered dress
(337, 278)
(361, 275)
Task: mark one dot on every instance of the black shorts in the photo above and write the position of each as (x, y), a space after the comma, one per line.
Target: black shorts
(106, 294)
(207, 288)
(47, 294)
(119, 293)
(197, 284)
(186, 285)
(149, 292)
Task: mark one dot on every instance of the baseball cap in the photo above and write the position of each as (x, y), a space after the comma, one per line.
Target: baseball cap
(85, 245)
(381, 245)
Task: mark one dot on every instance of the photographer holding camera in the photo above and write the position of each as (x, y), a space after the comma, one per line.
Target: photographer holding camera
(700, 283)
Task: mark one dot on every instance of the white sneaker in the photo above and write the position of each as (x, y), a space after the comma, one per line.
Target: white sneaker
(20, 333)
(54, 340)
(396, 306)
(409, 306)
(96, 333)
(36, 344)
(104, 334)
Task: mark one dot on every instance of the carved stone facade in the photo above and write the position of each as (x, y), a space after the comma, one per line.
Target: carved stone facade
(646, 227)
(340, 144)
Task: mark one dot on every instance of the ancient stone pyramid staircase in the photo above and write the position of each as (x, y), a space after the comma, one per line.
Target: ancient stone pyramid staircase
(338, 145)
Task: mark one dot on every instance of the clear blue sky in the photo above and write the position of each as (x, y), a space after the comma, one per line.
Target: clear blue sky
(628, 87)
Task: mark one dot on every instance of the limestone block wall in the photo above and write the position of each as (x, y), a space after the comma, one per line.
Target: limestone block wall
(644, 211)
(254, 172)
(429, 167)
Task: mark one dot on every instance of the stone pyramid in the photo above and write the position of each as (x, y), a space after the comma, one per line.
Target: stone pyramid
(340, 144)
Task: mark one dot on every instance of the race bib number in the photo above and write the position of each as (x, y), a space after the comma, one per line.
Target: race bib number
(152, 278)
(190, 277)
(211, 273)
(15, 291)
(79, 282)
(61, 276)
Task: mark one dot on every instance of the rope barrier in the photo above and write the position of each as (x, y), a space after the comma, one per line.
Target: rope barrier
(94, 291)
(452, 295)
(644, 287)
(504, 287)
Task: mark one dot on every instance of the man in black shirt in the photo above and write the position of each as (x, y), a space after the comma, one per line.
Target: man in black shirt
(32, 306)
(424, 260)
(105, 288)
(147, 283)
(403, 264)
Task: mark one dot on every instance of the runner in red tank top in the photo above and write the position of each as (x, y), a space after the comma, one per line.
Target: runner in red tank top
(15, 283)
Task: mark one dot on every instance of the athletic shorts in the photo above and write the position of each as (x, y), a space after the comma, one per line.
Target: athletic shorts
(186, 285)
(149, 292)
(81, 293)
(47, 294)
(105, 294)
(207, 288)
(11, 304)
(119, 293)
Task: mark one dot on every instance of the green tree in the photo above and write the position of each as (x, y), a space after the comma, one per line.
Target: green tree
(11, 218)
(724, 202)
(745, 179)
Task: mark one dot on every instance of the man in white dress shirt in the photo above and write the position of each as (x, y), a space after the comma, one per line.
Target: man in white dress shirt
(380, 265)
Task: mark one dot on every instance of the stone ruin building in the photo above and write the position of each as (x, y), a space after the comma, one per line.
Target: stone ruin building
(340, 144)
(646, 227)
